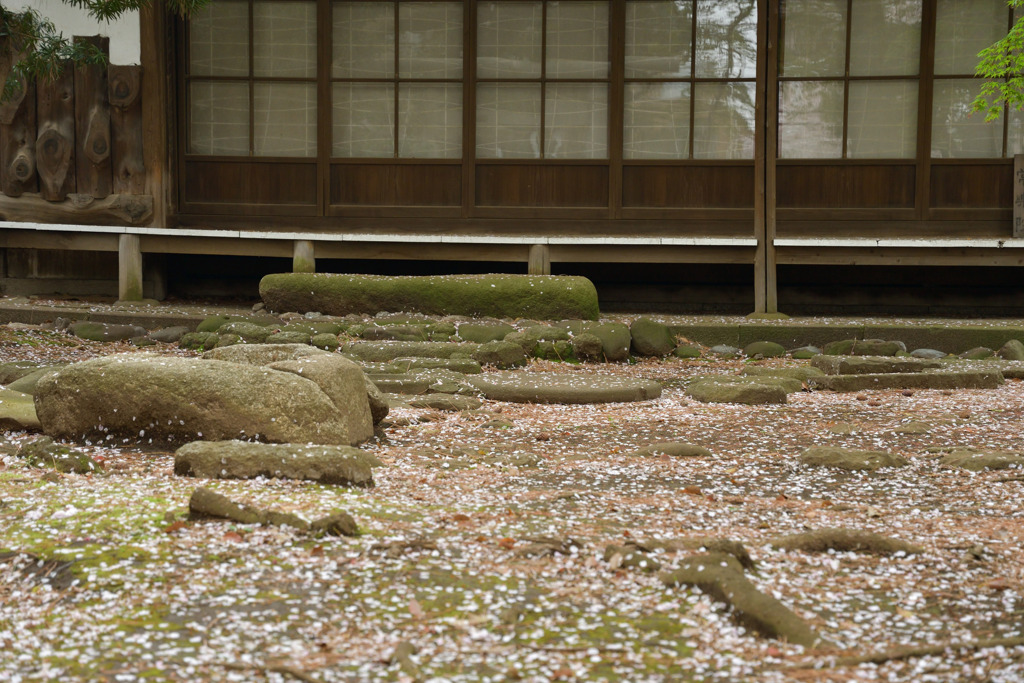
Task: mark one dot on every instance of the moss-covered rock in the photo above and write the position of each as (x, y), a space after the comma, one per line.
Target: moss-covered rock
(250, 333)
(102, 332)
(481, 333)
(802, 373)
(542, 297)
(673, 449)
(764, 349)
(500, 354)
(543, 387)
(980, 460)
(14, 370)
(615, 339)
(293, 337)
(1011, 350)
(686, 351)
(326, 341)
(978, 353)
(215, 322)
(28, 383)
(651, 338)
(199, 341)
(864, 347)
(587, 347)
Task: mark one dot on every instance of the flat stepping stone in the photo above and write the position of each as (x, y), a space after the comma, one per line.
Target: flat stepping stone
(382, 352)
(802, 373)
(338, 465)
(400, 383)
(467, 366)
(979, 461)
(850, 459)
(549, 387)
(447, 402)
(866, 365)
(980, 379)
(744, 392)
(674, 449)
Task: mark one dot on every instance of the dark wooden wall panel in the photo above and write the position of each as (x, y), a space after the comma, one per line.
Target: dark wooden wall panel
(522, 185)
(846, 187)
(240, 182)
(129, 169)
(55, 144)
(720, 187)
(18, 142)
(972, 186)
(92, 124)
(396, 185)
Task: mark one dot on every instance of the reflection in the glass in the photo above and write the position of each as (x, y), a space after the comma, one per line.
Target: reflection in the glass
(811, 120)
(363, 123)
(882, 121)
(658, 39)
(955, 132)
(726, 39)
(723, 121)
(657, 121)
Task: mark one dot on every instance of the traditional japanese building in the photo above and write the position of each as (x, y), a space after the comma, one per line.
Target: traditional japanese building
(757, 133)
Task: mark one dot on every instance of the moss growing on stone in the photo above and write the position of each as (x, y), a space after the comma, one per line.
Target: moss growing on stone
(502, 296)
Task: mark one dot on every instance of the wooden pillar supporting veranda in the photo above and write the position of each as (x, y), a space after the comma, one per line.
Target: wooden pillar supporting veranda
(129, 268)
(303, 256)
(766, 298)
(539, 261)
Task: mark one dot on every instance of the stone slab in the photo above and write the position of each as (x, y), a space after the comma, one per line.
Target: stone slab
(547, 387)
(982, 379)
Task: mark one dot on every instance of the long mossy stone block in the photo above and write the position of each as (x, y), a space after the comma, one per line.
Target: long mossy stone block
(870, 365)
(709, 334)
(746, 393)
(981, 379)
(382, 352)
(948, 338)
(543, 297)
(546, 387)
(792, 335)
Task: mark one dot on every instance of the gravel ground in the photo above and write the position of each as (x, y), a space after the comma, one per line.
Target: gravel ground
(107, 579)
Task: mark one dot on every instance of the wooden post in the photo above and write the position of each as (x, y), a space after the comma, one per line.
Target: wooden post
(765, 286)
(156, 84)
(55, 144)
(539, 262)
(303, 257)
(128, 168)
(129, 268)
(18, 142)
(1018, 195)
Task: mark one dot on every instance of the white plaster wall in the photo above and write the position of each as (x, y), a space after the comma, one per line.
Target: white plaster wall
(71, 21)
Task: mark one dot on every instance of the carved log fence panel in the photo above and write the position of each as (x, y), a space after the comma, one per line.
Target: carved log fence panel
(71, 148)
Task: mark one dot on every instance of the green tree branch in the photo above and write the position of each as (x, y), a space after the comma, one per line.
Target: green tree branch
(1002, 63)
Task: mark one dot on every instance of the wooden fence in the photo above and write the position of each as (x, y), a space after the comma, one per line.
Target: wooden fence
(71, 148)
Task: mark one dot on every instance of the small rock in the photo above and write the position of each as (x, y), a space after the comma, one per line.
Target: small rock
(726, 351)
(978, 353)
(764, 349)
(337, 524)
(927, 354)
(805, 352)
(1011, 350)
(675, 449)
(850, 459)
(651, 338)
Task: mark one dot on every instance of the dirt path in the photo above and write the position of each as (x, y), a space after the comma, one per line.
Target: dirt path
(483, 549)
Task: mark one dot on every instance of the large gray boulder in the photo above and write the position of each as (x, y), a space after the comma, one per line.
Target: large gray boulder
(147, 399)
(343, 382)
(339, 465)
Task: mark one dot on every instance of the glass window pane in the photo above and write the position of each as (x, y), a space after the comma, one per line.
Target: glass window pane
(284, 119)
(363, 120)
(815, 38)
(811, 120)
(284, 39)
(218, 118)
(219, 40)
(963, 28)
(508, 121)
(430, 40)
(363, 40)
(658, 36)
(885, 38)
(726, 38)
(430, 120)
(882, 120)
(723, 121)
(657, 121)
(576, 121)
(509, 39)
(957, 133)
(577, 40)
